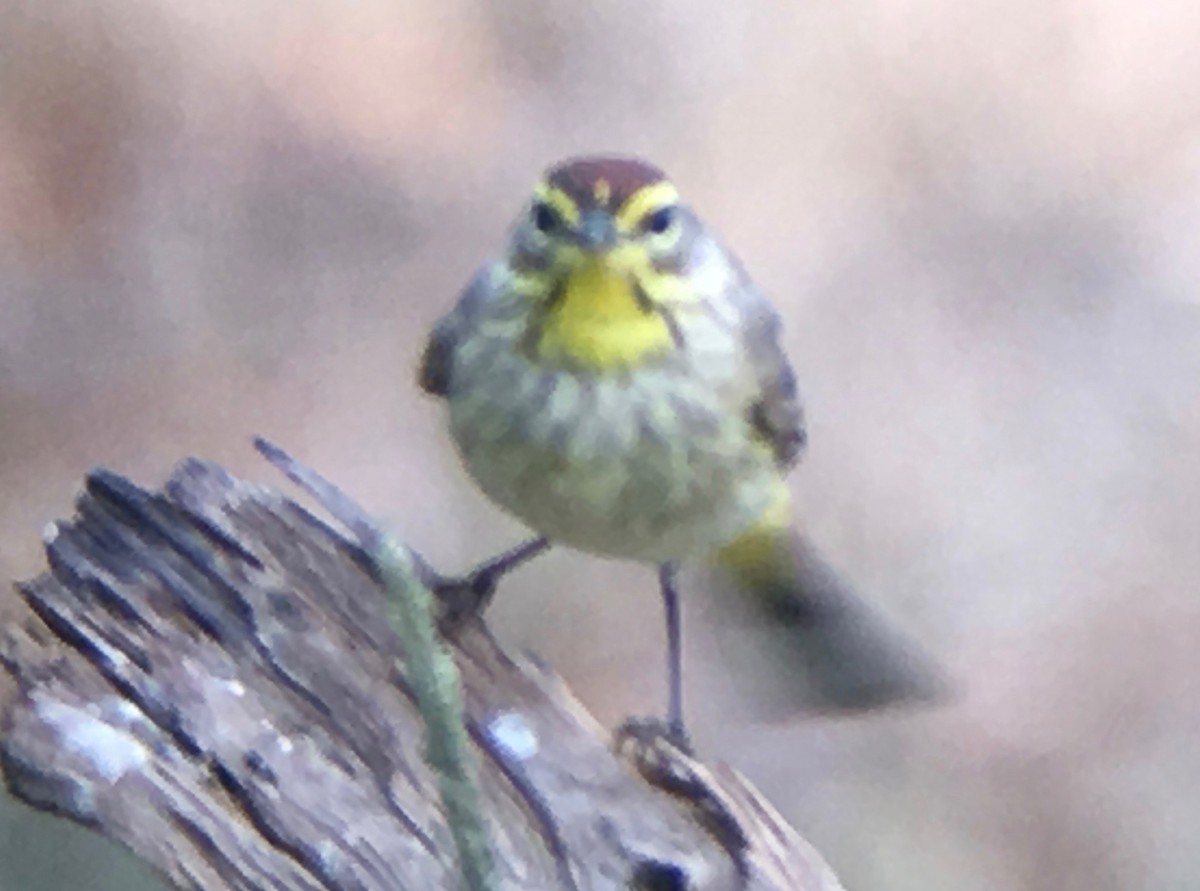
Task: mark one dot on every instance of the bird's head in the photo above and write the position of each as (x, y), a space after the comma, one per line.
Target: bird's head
(602, 250)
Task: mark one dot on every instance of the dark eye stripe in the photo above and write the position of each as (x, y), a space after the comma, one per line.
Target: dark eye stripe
(659, 221)
(545, 218)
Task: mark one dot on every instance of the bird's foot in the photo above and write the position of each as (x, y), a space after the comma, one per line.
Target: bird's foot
(648, 734)
(463, 598)
(466, 597)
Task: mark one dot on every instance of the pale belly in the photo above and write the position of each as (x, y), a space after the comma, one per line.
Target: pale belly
(656, 466)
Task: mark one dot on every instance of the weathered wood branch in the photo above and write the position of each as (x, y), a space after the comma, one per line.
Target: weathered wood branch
(206, 674)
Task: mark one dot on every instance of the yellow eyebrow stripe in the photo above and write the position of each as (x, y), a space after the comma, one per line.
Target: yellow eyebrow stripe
(559, 200)
(642, 202)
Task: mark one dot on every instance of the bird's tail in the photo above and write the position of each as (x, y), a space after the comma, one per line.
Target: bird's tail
(828, 648)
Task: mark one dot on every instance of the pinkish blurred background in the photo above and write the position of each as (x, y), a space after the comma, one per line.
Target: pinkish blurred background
(980, 221)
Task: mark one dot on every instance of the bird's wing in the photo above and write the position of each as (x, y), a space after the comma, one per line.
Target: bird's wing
(436, 374)
(776, 413)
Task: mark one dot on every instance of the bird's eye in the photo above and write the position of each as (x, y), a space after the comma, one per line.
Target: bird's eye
(660, 221)
(545, 218)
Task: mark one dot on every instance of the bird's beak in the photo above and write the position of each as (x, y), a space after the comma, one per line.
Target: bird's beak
(597, 231)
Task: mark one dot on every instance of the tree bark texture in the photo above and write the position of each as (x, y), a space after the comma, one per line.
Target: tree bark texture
(206, 674)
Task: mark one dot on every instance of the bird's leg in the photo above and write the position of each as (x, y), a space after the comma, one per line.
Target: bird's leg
(645, 733)
(667, 574)
(469, 595)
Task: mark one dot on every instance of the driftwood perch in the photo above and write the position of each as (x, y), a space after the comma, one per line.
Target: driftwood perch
(206, 674)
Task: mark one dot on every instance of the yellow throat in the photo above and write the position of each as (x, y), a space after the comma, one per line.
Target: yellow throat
(600, 323)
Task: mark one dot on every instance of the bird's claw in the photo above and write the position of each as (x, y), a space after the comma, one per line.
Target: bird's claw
(647, 734)
(463, 598)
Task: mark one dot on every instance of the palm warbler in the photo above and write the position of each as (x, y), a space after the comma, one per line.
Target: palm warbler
(616, 381)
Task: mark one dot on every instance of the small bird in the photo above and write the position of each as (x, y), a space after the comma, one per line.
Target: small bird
(617, 382)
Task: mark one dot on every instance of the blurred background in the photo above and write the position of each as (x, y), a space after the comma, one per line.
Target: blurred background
(980, 221)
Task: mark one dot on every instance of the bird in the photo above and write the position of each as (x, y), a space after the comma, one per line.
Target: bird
(615, 380)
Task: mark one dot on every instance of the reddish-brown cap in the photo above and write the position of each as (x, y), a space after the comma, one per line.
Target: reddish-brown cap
(602, 180)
